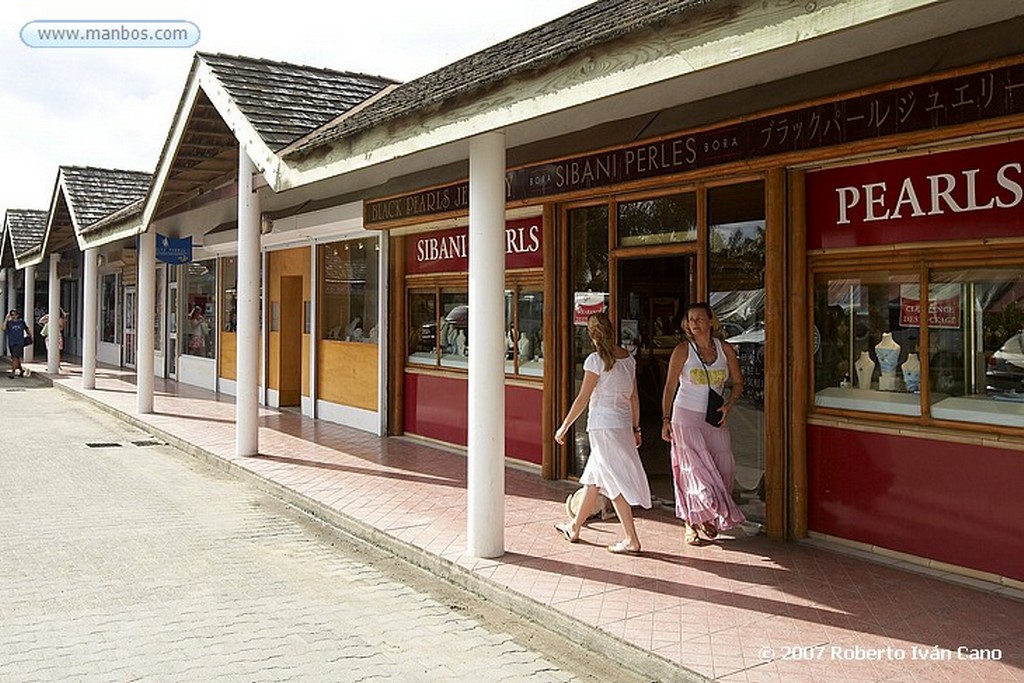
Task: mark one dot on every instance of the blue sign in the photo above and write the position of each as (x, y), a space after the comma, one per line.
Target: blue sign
(171, 250)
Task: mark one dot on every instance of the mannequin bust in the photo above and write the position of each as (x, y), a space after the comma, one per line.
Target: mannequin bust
(525, 348)
(865, 368)
(887, 351)
(912, 373)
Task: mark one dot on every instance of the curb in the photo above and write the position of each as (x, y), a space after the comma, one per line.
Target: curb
(641, 661)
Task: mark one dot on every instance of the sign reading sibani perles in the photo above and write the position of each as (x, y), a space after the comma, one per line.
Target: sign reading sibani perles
(447, 251)
(950, 101)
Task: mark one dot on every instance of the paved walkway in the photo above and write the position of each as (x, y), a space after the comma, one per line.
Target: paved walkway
(739, 609)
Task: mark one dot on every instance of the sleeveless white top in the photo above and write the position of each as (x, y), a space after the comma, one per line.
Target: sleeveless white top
(609, 406)
(693, 382)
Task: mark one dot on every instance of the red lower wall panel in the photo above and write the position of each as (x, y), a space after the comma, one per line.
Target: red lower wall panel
(956, 503)
(436, 407)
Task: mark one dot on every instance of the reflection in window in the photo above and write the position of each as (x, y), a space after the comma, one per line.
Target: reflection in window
(422, 327)
(588, 235)
(349, 289)
(524, 328)
(108, 308)
(198, 281)
(453, 331)
(661, 220)
(975, 338)
(868, 329)
(736, 258)
(229, 292)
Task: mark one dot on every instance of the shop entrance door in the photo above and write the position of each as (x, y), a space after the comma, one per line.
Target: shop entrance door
(129, 327)
(291, 342)
(172, 325)
(652, 297)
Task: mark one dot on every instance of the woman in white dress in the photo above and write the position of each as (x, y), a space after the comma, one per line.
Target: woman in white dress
(613, 425)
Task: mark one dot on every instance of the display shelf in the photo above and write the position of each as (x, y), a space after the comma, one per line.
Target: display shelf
(869, 400)
(979, 409)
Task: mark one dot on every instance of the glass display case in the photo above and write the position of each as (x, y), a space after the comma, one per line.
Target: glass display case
(867, 343)
(439, 328)
(349, 290)
(865, 330)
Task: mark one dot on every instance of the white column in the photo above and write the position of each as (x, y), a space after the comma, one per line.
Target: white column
(144, 334)
(52, 344)
(90, 284)
(247, 407)
(29, 314)
(485, 527)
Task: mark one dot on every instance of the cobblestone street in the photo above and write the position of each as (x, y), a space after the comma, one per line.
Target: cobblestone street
(123, 559)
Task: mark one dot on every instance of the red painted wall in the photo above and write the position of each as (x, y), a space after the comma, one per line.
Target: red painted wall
(437, 407)
(956, 503)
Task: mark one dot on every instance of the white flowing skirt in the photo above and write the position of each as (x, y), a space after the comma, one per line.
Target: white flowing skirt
(614, 466)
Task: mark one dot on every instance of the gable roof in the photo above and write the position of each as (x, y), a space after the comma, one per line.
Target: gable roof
(23, 231)
(82, 197)
(286, 101)
(531, 51)
(94, 193)
(256, 103)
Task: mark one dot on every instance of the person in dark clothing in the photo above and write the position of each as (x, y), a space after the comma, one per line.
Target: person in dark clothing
(18, 336)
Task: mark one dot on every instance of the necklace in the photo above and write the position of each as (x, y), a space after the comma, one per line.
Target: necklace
(708, 355)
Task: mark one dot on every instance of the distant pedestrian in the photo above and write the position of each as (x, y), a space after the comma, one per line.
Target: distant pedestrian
(48, 332)
(18, 336)
(613, 425)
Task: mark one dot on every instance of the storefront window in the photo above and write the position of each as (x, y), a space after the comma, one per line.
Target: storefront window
(229, 292)
(423, 327)
(349, 287)
(158, 314)
(453, 332)
(975, 345)
(867, 335)
(661, 220)
(588, 232)
(524, 330)
(108, 308)
(199, 283)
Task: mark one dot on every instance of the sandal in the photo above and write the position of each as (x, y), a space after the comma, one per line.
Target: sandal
(709, 529)
(622, 548)
(566, 531)
(690, 535)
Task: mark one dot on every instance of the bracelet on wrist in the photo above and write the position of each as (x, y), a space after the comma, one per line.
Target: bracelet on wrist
(636, 430)
(666, 419)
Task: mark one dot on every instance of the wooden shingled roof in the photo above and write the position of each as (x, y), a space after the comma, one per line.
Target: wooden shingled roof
(94, 193)
(24, 230)
(281, 102)
(530, 52)
(286, 101)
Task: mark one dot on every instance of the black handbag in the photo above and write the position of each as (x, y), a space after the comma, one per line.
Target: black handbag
(713, 414)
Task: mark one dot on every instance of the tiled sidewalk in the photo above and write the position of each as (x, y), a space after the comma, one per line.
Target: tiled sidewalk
(739, 609)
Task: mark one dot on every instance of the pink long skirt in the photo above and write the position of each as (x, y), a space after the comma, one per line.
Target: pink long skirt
(703, 467)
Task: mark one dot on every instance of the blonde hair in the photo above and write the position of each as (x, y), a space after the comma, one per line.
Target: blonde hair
(716, 326)
(599, 327)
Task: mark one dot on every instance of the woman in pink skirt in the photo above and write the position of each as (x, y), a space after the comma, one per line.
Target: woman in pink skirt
(703, 465)
(613, 426)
